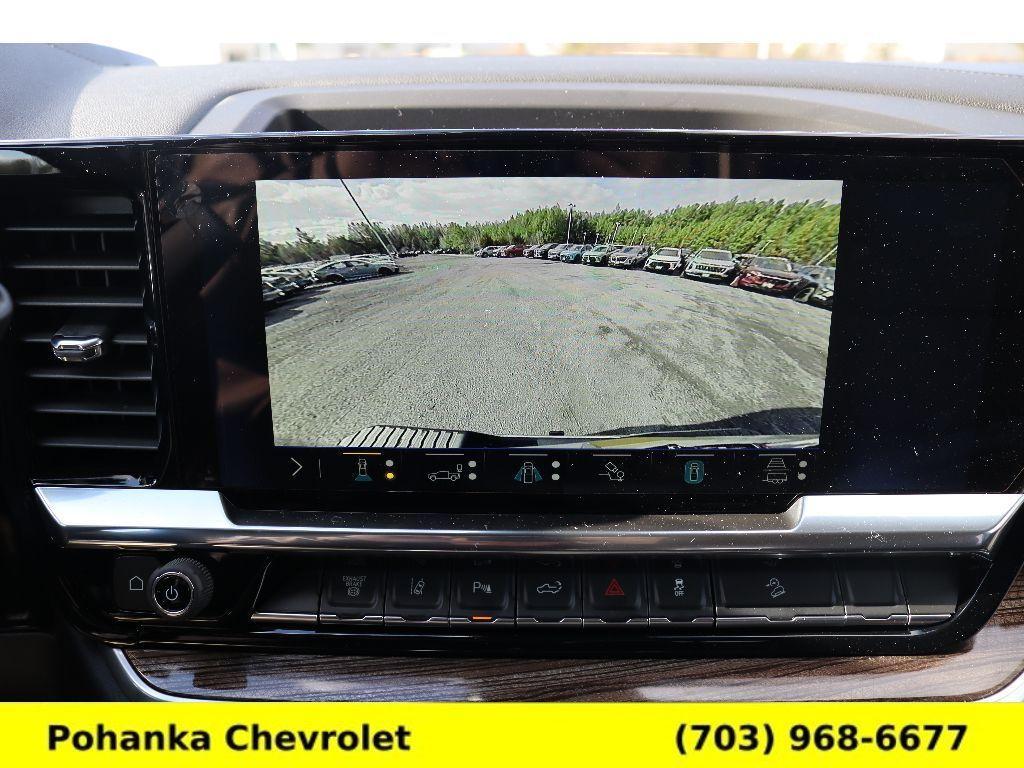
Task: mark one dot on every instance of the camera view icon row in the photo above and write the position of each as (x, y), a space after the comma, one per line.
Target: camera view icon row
(549, 472)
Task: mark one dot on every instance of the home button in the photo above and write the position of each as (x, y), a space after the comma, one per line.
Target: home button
(130, 575)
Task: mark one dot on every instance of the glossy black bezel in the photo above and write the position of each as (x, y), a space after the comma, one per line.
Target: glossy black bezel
(220, 174)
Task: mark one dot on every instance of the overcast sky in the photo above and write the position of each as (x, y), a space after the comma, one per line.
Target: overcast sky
(321, 206)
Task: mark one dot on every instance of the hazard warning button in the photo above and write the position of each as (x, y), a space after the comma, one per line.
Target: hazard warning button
(615, 593)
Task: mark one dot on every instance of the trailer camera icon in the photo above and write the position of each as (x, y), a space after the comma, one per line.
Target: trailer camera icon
(775, 471)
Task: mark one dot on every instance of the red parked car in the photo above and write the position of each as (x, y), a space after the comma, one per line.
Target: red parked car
(513, 250)
(770, 274)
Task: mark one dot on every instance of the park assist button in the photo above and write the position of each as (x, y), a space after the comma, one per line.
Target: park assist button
(527, 472)
(680, 592)
(353, 593)
(483, 593)
(549, 594)
(614, 593)
(417, 593)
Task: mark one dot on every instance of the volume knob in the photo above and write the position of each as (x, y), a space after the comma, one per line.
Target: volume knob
(181, 589)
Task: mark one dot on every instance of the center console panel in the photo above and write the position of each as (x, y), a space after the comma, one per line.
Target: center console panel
(455, 482)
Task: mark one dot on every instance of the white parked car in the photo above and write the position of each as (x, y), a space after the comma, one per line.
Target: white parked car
(712, 264)
(668, 260)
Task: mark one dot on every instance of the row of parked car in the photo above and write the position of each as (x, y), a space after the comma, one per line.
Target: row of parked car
(283, 281)
(812, 284)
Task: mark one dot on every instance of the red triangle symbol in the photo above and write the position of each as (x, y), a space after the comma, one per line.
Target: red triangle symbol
(614, 589)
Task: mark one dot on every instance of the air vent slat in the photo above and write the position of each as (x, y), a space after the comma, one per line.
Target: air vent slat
(70, 228)
(88, 373)
(91, 262)
(125, 338)
(99, 442)
(91, 300)
(98, 406)
(74, 265)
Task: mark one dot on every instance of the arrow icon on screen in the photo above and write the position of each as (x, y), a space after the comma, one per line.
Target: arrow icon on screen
(298, 467)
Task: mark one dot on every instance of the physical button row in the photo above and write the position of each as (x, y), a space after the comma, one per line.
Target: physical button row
(661, 592)
(489, 592)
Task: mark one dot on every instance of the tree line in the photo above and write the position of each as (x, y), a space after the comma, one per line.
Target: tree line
(804, 231)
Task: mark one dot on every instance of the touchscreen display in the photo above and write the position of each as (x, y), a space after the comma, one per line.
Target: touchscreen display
(572, 312)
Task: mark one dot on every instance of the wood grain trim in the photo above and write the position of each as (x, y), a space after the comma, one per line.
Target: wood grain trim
(993, 660)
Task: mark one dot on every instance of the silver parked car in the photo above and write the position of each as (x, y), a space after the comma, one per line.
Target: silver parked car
(630, 257)
(356, 268)
(820, 289)
(272, 294)
(554, 253)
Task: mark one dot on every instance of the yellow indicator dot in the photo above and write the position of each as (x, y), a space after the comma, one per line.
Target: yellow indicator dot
(389, 475)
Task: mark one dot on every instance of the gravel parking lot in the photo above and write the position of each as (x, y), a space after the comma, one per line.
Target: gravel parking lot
(520, 346)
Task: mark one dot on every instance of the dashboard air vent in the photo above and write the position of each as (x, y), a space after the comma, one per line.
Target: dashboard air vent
(76, 271)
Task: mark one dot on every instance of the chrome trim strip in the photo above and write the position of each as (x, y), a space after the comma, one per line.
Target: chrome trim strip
(269, 617)
(697, 621)
(529, 621)
(160, 518)
(1013, 691)
(822, 619)
(892, 620)
(130, 677)
(330, 618)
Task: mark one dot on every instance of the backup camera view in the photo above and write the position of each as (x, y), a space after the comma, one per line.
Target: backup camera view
(568, 311)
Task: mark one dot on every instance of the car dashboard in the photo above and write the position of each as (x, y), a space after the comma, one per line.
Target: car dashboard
(553, 405)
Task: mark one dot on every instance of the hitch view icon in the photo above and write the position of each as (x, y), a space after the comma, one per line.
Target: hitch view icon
(612, 472)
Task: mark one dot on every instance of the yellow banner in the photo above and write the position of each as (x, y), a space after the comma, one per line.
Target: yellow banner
(531, 735)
